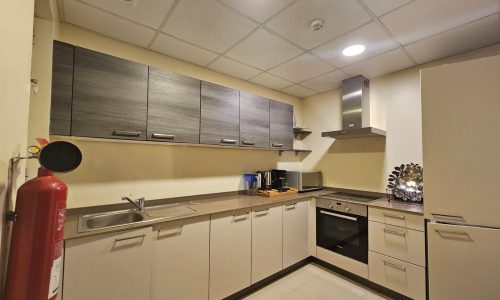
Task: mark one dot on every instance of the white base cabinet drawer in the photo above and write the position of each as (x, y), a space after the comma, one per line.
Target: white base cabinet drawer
(405, 278)
(396, 218)
(180, 265)
(402, 243)
(267, 242)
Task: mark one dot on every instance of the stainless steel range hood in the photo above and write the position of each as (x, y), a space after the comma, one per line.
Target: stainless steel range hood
(355, 111)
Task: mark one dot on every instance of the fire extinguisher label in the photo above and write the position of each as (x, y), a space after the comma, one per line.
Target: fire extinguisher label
(55, 274)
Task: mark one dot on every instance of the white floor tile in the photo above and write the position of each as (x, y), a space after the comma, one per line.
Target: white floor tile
(298, 278)
(295, 296)
(275, 290)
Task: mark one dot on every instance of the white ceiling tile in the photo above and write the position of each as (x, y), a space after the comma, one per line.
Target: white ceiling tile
(271, 81)
(80, 14)
(150, 12)
(424, 18)
(179, 49)
(301, 68)
(233, 68)
(299, 91)
(371, 35)
(380, 7)
(340, 16)
(329, 81)
(379, 65)
(467, 37)
(263, 50)
(208, 24)
(259, 10)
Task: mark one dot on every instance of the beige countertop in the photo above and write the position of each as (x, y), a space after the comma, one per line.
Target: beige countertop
(398, 205)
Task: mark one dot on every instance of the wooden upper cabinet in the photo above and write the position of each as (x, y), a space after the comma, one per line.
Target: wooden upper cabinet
(254, 121)
(220, 115)
(173, 107)
(109, 96)
(62, 88)
(281, 126)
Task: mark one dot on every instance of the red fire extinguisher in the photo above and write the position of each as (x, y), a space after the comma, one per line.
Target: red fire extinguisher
(35, 257)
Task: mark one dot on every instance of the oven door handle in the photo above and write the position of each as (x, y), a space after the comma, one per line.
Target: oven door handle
(338, 215)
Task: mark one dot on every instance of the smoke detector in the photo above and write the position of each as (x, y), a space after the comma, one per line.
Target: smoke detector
(317, 24)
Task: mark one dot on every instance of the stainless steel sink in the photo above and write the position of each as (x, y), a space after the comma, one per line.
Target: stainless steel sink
(111, 219)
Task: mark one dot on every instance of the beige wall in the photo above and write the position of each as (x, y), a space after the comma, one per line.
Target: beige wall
(365, 164)
(16, 26)
(113, 169)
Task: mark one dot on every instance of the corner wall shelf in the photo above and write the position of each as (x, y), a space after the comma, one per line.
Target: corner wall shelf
(301, 132)
(297, 151)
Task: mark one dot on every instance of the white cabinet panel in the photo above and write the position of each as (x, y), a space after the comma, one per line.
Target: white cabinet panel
(113, 266)
(267, 242)
(295, 229)
(180, 263)
(230, 253)
(464, 262)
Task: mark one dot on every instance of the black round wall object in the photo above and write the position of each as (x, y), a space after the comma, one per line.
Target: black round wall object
(60, 157)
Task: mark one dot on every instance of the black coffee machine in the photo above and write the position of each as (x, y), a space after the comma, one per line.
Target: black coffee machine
(278, 179)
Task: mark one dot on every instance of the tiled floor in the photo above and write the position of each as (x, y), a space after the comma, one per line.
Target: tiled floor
(314, 282)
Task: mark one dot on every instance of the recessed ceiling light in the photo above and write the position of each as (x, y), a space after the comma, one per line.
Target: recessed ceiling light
(354, 50)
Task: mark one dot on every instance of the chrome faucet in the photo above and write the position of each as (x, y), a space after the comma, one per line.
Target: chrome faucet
(139, 203)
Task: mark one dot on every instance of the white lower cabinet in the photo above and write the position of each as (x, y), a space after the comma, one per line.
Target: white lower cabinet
(230, 253)
(267, 242)
(112, 266)
(400, 276)
(180, 260)
(295, 229)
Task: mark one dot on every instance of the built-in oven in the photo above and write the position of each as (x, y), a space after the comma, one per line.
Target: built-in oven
(342, 227)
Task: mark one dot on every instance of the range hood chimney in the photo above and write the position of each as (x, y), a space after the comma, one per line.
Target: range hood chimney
(355, 111)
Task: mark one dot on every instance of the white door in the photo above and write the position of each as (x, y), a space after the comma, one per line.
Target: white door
(295, 228)
(180, 263)
(230, 253)
(463, 262)
(267, 242)
(112, 266)
(461, 144)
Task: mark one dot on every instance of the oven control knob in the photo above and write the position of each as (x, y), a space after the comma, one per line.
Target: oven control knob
(347, 209)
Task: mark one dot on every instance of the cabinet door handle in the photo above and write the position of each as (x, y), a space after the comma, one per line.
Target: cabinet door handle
(277, 145)
(399, 233)
(399, 217)
(261, 213)
(457, 235)
(290, 206)
(339, 216)
(141, 236)
(249, 143)
(127, 133)
(448, 217)
(163, 136)
(240, 217)
(170, 231)
(228, 141)
(395, 266)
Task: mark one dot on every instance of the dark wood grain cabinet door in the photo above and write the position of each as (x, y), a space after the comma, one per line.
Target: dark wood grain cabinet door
(254, 121)
(220, 115)
(173, 107)
(281, 127)
(62, 88)
(109, 96)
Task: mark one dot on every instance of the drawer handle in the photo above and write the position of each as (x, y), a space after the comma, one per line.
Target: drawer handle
(261, 213)
(399, 233)
(127, 133)
(170, 231)
(399, 217)
(240, 217)
(130, 238)
(338, 215)
(163, 136)
(277, 145)
(249, 143)
(290, 206)
(395, 266)
(457, 235)
(228, 141)
(448, 217)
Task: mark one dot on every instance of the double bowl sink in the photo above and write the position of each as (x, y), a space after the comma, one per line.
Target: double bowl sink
(128, 217)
